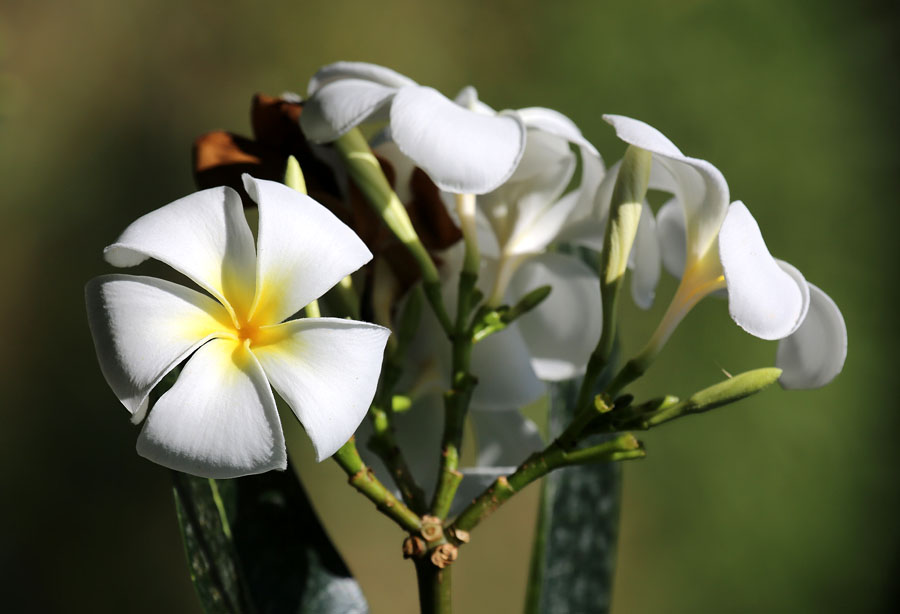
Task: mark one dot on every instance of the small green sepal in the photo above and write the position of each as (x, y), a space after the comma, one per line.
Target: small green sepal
(293, 176)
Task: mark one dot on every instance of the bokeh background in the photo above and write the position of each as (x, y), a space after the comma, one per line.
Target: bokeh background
(787, 502)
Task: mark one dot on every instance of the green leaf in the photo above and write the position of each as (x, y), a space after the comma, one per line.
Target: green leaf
(255, 546)
(575, 543)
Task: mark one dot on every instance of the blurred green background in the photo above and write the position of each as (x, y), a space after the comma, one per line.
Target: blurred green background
(787, 502)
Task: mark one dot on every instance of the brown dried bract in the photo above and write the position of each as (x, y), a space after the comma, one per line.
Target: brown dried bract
(461, 536)
(443, 555)
(432, 528)
(413, 546)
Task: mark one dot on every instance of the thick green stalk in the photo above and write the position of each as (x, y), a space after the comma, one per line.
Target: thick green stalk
(434, 587)
(363, 480)
(456, 400)
(621, 229)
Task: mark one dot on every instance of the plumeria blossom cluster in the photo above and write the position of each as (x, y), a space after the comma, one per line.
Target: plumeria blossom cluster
(509, 241)
(523, 215)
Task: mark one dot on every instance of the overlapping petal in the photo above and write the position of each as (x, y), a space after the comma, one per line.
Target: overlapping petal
(763, 299)
(645, 260)
(341, 105)
(563, 330)
(672, 237)
(814, 354)
(303, 250)
(461, 150)
(555, 123)
(219, 419)
(327, 370)
(205, 236)
(356, 70)
(143, 327)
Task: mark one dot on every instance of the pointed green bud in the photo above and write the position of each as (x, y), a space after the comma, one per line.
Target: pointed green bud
(293, 176)
(621, 230)
(724, 393)
(625, 211)
(527, 303)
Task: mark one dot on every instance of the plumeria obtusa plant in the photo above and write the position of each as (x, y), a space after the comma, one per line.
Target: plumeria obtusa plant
(448, 266)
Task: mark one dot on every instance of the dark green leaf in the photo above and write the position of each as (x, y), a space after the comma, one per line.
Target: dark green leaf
(255, 546)
(575, 543)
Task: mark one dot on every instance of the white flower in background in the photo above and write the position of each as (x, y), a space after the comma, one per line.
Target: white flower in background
(712, 247)
(462, 151)
(464, 146)
(219, 419)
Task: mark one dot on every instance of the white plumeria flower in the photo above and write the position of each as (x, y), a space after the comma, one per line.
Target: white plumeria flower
(713, 246)
(219, 419)
(814, 353)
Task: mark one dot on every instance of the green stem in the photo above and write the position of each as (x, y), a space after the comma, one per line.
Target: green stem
(539, 464)
(621, 229)
(366, 173)
(632, 370)
(456, 400)
(383, 441)
(434, 587)
(363, 480)
(384, 444)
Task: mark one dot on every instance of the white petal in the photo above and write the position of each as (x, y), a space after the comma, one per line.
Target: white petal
(637, 133)
(762, 299)
(525, 212)
(461, 150)
(580, 231)
(563, 330)
(357, 70)
(304, 250)
(701, 188)
(804, 289)
(219, 419)
(554, 122)
(205, 236)
(603, 194)
(505, 375)
(592, 173)
(544, 155)
(583, 226)
(327, 370)
(341, 105)
(672, 237)
(814, 354)
(143, 327)
(645, 260)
